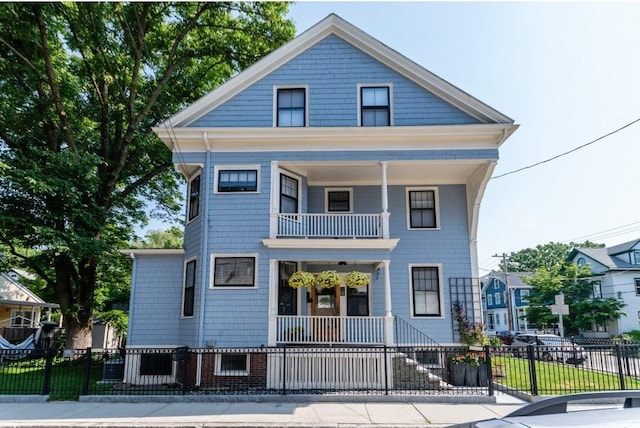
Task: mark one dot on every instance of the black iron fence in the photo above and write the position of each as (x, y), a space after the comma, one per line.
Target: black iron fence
(402, 370)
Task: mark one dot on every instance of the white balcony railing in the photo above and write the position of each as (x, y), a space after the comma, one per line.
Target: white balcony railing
(323, 330)
(330, 225)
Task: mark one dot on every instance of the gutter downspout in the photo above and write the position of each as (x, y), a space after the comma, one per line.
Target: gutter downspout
(205, 238)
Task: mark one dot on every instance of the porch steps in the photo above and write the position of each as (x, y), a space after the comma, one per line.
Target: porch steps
(410, 374)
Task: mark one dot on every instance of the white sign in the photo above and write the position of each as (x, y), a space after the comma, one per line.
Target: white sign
(559, 309)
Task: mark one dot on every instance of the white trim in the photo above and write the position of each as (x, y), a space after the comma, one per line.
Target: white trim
(184, 286)
(440, 291)
(352, 244)
(212, 271)
(333, 24)
(436, 198)
(219, 372)
(306, 104)
(372, 138)
(359, 86)
(200, 205)
(338, 189)
(223, 167)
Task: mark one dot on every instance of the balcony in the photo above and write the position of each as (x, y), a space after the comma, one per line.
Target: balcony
(329, 226)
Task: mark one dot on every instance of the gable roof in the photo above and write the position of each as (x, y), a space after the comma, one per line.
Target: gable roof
(604, 256)
(622, 248)
(515, 279)
(334, 25)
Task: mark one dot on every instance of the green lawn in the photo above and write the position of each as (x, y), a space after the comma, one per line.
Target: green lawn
(556, 378)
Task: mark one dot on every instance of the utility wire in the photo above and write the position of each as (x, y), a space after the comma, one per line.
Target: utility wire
(568, 152)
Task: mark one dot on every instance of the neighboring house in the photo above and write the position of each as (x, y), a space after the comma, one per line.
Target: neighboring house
(505, 310)
(20, 309)
(617, 273)
(334, 152)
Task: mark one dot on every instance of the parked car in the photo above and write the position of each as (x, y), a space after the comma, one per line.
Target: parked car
(506, 336)
(548, 347)
(552, 412)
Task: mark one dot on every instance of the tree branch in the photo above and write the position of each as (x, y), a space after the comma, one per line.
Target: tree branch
(51, 78)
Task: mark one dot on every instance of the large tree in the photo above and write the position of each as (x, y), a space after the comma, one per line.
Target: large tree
(81, 84)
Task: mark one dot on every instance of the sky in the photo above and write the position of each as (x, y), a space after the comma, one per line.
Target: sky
(567, 73)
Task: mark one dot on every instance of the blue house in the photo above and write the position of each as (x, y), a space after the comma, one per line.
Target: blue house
(333, 153)
(504, 301)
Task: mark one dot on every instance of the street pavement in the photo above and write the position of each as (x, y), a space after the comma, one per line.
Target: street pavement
(263, 414)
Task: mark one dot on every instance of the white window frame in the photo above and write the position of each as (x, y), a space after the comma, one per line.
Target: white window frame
(279, 189)
(212, 272)
(440, 291)
(21, 315)
(359, 102)
(222, 167)
(636, 257)
(220, 372)
(275, 104)
(489, 300)
(327, 190)
(636, 284)
(524, 295)
(497, 298)
(184, 286)
(436, 198)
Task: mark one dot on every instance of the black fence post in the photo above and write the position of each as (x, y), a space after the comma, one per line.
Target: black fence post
(532, 369)
(386, 371)
(487, 353)
(48, 367)
(620, 369)
(284, 369)
(87, 372)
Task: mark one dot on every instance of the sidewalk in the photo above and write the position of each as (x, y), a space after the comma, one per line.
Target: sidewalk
(250, 414)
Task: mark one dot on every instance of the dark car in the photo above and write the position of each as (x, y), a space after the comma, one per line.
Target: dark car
(506, 336)
(548, 347)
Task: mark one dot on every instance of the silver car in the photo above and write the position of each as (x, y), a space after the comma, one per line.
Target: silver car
(553, 412)
(548, 347)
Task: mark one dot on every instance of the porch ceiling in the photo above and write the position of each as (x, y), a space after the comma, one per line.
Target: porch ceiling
(398, 172)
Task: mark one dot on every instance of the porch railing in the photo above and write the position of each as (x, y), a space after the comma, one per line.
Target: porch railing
(330, 225)
(334, 330)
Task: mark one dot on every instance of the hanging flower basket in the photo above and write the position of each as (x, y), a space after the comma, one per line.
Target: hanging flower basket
(301, 279)
(328, 279)
(356, 279)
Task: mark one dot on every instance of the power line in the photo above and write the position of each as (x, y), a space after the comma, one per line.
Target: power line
(568, 152)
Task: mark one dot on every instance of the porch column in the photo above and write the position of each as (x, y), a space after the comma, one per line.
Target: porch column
(273, 302)
(388, 316)
(273, 209)
(385, 201)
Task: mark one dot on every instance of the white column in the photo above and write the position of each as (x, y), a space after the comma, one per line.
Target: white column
(388, 316)
(273, 209)
(385, 201)
(273, 302)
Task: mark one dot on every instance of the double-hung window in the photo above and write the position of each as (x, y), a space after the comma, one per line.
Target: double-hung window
(234, 271)
(375, 106)
(291, 107)
(288, 194)
(339, 200)
(189, 288)
(422, 208)
(426, 291)
(194, 198)
(637, 283)
(20, 318)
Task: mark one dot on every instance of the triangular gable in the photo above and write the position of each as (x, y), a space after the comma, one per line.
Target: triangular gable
(10, 289)
(335, 25)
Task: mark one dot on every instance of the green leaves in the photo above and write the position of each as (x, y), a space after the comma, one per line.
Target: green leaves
(81, 85)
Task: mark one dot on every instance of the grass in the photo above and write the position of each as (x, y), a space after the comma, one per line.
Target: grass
(557, 378)
(27, 377)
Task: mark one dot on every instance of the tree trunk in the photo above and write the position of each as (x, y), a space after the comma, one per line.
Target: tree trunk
(78, 333)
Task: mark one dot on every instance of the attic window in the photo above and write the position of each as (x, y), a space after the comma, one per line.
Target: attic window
(375, 106)
(291, 107)
(636, 257)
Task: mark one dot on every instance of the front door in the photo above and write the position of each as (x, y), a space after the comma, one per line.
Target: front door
(325, 303)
